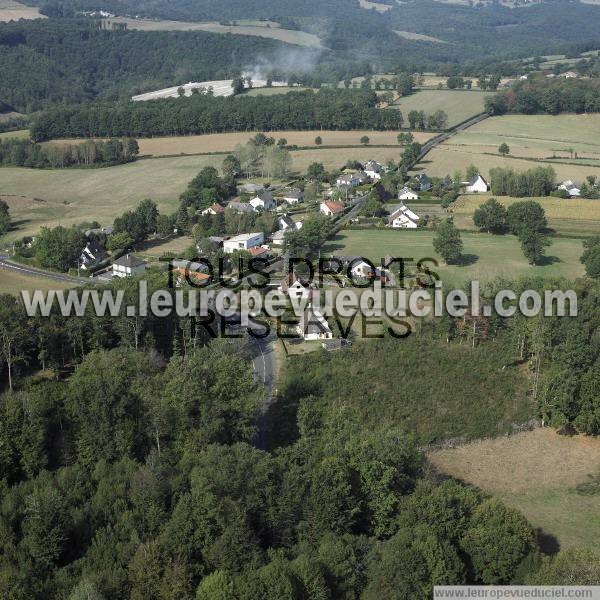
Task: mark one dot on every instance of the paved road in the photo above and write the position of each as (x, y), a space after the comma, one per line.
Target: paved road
(6, 263)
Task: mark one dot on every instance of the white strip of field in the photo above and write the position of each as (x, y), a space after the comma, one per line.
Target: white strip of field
(219, 88)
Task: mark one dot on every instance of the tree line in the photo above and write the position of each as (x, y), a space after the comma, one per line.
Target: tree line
(25, 153)
(539, 181)
(326, 109)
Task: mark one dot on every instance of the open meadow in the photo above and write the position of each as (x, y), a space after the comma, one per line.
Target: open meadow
(536, 472)
(458, 104)
(13, 11)
(12, 282)
(576, 216)
(266, 29)
(226, 142)
(532, 139)
(486, 256)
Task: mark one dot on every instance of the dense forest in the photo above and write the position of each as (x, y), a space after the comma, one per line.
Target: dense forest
(544, 95)
(138, 474)
(325, 109)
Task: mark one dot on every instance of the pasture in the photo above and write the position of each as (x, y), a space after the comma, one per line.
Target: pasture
(568, 217)
(266, 29)
(419, 37)
(486, 256)
(13, 11)
(532, 139)
(12, 282)
(20, 134)
(535, 472)
(458, 104)
(272, 91)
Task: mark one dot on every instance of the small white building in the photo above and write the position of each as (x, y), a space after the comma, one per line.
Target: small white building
(278, 238)
(263, 201)
(402, 217)
(215, 209)
(407, 194)
(373, 170)
(245, 241)
(92, 255)
(348, 180)
(128, 266)
(313, 325)
(331, 208)
(293, 196)
(294, 288)
(477, 185)
(571, 188)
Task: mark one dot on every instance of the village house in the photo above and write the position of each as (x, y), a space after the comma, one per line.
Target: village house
(294, 288)
(373, 170)
(313, 325)
(215, 209)
(401, 217)
(263, 201)
(108, 230)
(286, 222)
(278, 238)
(92, 255)
(259, 251)
(569, 75)
(477, 185)
(245, 241)
(128, 266)
(407, 194)
(331, 208)
(423, 182)
(241, 207)
(350, 180)
(251, 188)
(293, 196)
(571, 188)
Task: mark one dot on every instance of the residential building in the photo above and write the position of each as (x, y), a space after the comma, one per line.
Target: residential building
(251, 188)
(423, 182)
(278, 238)
(572, 189)
(407, 194)
(128, 266)
(215, 209)
(373, 170)
(245, 241)
(477, 185)
(401, 217)
(241, 207)
(313, 325)
(294, 288)
(293, 196)
(92, 255)
(348, 180)
(331, 208)
(263, 201)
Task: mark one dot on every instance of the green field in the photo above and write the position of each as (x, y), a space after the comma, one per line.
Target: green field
(10, 10)
(567, 217)
(12, 282)
(532, 139)
(267, 29)
(458, 104)
(21, 134)
(272, 91)
(487, 256)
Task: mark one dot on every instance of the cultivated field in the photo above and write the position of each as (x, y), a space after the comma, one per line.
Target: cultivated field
(409, 35)
(536, 472)
(486, 256)
(259, 29)
(226, 142)
(13, 11)
(533, 140)
(12, 282)
(21, 134)
(272, 91)
(570, 217)
(458, 104)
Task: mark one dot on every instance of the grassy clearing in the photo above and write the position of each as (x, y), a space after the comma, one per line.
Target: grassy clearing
(273, 91)
(13, 11)
(532, 140)
(21, 134)
(458, 104)
(264, 29)
(12, 282)
(409, 35)
(155, 250)
(536, 472)
(226, 142)
(486, 256)
(378, 6)
(568, 217)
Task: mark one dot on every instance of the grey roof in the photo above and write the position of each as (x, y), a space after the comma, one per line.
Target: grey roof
(265, 195)
(293, 193)
(373, 165)
(240, 206)
(475, 178)
(287, 220)
(251, 188)
(129, 260)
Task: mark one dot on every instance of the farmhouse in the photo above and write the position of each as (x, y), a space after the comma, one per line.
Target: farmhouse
(569, 75)
(286, 222)
(407, 194)
(263, 201)
(92, 255)
(373, 170)
(278, 237)
(402, 217)
(331, 208)
(251, 188)
(245, 241)
(350, 180)
(423, 182)
(313, 325)
(215, 209)
(128, 266)
(476, 185)
(293, 196)
(571, 189)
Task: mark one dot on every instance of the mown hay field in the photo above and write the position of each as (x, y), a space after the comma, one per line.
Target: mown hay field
(536, 472)
(486, 256)
(267, 29)
(12, 282)
(576, 216)
(13, 11)
(458, 104)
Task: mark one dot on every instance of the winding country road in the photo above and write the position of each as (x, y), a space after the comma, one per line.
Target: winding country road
(6, 263)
